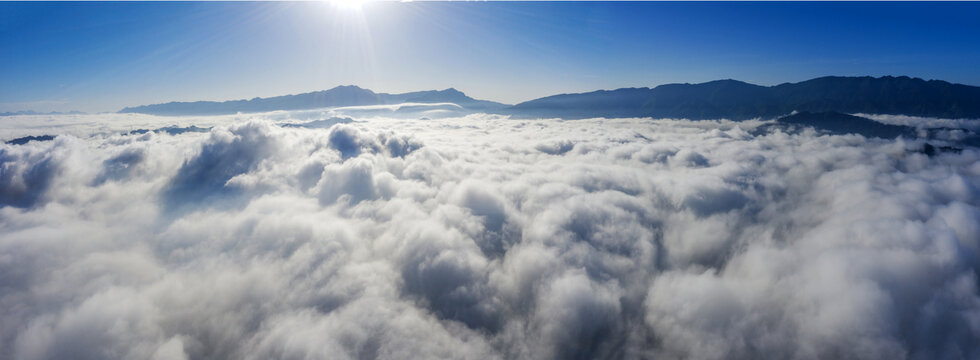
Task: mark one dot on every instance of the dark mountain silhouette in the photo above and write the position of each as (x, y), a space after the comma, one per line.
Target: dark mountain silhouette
(602, 103)
(838, 124)
(738, 100)
(338, 96)
(27, 139)
(938, 139)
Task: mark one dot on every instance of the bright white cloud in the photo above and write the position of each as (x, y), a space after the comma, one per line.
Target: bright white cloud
(482, 237)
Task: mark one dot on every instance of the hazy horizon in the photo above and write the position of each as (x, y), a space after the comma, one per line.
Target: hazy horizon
(421, 90)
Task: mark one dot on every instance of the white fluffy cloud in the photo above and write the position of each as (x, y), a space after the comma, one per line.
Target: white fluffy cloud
(483, 237)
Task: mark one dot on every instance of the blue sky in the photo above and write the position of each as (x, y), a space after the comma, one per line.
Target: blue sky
(104, 56)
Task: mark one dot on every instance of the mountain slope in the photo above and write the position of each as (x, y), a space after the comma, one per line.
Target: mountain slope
(884, 95)
(739, 100)
(338, 96)
(608, 103)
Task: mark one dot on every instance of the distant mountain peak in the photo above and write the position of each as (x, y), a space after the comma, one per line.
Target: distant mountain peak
(729, 81)
(349, 88)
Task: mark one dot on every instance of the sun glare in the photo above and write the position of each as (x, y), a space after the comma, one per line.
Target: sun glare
(350, 5)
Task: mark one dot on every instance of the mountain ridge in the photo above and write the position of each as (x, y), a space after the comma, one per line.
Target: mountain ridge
(339, 96)
(738, 100)
(718, 99)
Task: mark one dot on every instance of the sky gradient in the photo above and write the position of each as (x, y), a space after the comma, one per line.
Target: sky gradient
(104, 56)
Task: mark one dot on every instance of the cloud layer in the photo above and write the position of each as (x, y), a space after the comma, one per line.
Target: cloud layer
(484, 237)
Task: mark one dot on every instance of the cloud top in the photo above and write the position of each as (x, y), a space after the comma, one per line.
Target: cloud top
(485, 237)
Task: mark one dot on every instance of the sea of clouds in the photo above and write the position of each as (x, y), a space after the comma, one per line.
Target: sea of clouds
(481, 237)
